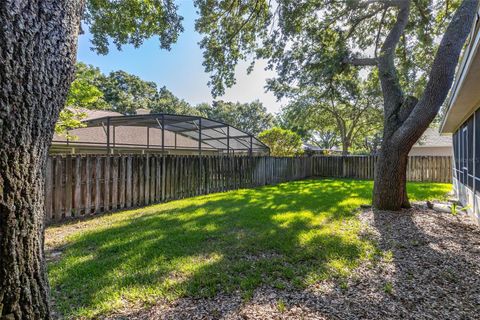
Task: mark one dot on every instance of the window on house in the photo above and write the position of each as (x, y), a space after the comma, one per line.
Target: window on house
(477, 151)
(456, 153)
(463, 153)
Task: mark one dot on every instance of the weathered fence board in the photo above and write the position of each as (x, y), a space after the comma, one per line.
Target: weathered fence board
(82, 185)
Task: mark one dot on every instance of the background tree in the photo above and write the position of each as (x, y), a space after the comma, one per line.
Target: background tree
(166, 102)
(250, 117)
(400, 37)
(347, 106)
(371, 143)
(70, 119)
(325, 139)
(122, 92)
(37, 64)
(83, 94)
(282, 142)
(126, 93)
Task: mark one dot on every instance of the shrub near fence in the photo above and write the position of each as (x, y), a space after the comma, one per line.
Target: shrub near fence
(83, 185)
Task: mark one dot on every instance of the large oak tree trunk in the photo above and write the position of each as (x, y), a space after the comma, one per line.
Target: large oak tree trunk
(390, 191)
(406, 117)
(38, 41)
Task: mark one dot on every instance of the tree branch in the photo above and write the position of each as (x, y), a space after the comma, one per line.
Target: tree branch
(362, 18)
(377, 39)
(422, 12)
(361, 62)
(441, 74)
(252, 13)
(392, 91)
(385, 3)
(407, 108)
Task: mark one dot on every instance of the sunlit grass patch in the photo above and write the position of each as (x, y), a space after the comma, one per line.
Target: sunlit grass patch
(292, 234)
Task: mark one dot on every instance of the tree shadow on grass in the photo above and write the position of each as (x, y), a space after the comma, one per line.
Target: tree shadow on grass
(430, 261)
(285, 236)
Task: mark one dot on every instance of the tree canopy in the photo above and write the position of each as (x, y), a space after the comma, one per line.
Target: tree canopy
(131, 22)
(84, 94)
(122, 92)
(84, 91)
(321, 36)
(347, 108)
(282, 142)
(166, 102)
(250, 117)
(126, 93)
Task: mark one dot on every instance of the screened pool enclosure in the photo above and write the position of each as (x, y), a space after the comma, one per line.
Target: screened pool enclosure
(159, 133)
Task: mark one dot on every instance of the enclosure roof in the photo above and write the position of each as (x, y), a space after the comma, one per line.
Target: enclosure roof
(215, 134)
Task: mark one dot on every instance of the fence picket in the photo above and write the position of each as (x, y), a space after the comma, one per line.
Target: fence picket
(98, 191)
(57, 211)
(122, 167)
(129, 183)
(114, 195)
(106, 188)
(88, 185)
(77, 196)
(68, 186)
(49, 189)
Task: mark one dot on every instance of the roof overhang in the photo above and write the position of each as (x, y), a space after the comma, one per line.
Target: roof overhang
(465, 94)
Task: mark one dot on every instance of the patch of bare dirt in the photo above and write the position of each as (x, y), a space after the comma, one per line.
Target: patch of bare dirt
(429, 269)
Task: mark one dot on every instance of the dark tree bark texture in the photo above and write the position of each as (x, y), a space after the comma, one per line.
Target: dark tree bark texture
(38, 41)
(407, 118)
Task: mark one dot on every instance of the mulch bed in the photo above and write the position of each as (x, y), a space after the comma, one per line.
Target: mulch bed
(430, 269)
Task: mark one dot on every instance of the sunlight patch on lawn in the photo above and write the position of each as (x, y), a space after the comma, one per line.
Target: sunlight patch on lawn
(291, 234)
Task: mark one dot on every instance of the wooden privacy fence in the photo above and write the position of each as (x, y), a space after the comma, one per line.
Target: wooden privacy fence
(419, 168)
(82, 185)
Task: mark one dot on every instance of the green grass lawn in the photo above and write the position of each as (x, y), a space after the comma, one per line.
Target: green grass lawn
(289, 235)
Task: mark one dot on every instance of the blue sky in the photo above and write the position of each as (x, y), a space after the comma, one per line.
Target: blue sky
(181, 68)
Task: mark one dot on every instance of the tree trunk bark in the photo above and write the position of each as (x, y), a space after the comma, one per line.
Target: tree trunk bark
(345, 146)
(38, 42)
(406, 118)
(390, 187)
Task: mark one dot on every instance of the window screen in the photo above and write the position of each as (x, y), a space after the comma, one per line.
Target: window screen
(455, 152)
(477, 147)
(463, 152)
(470, 155)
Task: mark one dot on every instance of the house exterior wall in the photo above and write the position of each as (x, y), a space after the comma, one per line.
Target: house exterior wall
(466, 168)
(431, 151)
